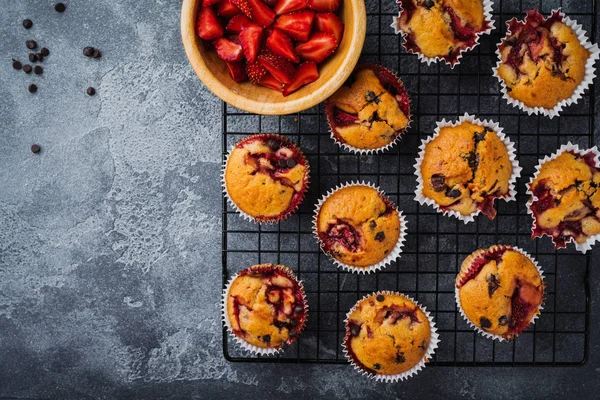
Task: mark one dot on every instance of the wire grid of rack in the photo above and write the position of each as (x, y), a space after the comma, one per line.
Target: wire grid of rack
(436, 245)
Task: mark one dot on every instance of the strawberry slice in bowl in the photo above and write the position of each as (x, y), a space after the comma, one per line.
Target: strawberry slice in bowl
(320, 46)
(279, 43)
(306, 73)
(281, 69)
(250, 39)
(297, 24)
(286, 6)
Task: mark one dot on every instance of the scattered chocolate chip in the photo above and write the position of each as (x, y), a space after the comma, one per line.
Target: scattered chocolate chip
(40, 57)
(291, 163)
(33, 57)
(380, 236)
(453, 193)
(380, 298)
(45, 52)
(97, 53)
(354, 330)
(60, 7)
(273, 144)
(298, 309)
(17, 65)
(91, 91)
(27, 68)
(428, 3)
(377, 367)
(502, 321)
(493, 283)
(400, 358)
(88, 51)
(437, 181)
(372, 224)
(31, 44)
(27, 23)
(282, 163)
(32, 88)
(485, 323)
(38, 70)
(35, 148)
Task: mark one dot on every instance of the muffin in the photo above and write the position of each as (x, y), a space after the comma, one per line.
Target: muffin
(265, 308)
(442, 29)
(499, 291)
(370, 111)
(359, 227)
(464, 166)
(265, 177)
(545, 64)
(388, 336)
(565, 202)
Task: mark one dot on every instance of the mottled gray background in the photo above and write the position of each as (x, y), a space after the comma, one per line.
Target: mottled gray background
(110, 268)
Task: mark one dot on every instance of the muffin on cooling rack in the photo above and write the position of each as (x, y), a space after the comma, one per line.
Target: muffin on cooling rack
(359, 227)
(464, 166)
(264, 307)
(370, 111)
(545, 63)
(500, 291)
(442, 29)
(389, 337)
(565, 197)
(265, 177)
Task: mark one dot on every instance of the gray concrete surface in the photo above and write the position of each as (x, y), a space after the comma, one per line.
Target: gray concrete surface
(110, 268)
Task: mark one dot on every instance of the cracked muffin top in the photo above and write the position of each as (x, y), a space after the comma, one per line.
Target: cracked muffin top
(441, 28)
(387, 334)
(542, 60)
(370, 110)
(266, 176)
(465, 167)
(567, 198)
(266, 306)
(500, 290)
(358, 226)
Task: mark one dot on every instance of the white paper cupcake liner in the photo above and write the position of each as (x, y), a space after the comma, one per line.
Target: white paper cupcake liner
(590, 71)
(242, 213)
(248, 347)
(433, 343)
(587, 245)
(510, 148)
(487, 12)
(531, 321)
(393, 254)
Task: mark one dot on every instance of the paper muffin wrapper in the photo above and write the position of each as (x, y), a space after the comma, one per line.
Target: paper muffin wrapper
(357, 150)
(434, 340)
(531, 321)
(393, 254)
(487, 12)
(285, 214)
(582, 247)
(248, 347)
(510, 148)
(590, 71)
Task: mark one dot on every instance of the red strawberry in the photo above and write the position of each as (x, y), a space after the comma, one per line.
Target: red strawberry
(330, 23)
(260, 13)
(226, 9)
(342, 118)
(255, 71)
(243, 6)
(270, 82)
(306, 73)
(297, 24)
(250, 39)
(319, 47)
(270, 3)
(236, 23)
(279, 67)
(228, 50)
(324, 5)
(286, 6)
(208, 26)
(236, 70)
(279, 43)
(207, 3)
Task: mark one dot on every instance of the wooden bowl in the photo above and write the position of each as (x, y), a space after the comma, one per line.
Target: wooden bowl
(261, 100)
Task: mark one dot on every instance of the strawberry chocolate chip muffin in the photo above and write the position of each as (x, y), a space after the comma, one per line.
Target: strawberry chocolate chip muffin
(442, 29)
(265, 177)
(499, 290)
(370, 111)
(543, 62)
(388, 336)
(359, 227)
(264, 308)
(565, 202)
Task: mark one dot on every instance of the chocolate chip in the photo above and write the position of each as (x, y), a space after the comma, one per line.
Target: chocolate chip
(485, 323)
(502, 321)
(38, 70)
(279, 324)
(266, 338)
(60, 7)
(91, 91)
(428, 3)
(472, 159)
(371, 97)
(88, 51)
(35, 148)
(27, 68)
(377, 367)
(493, 283)
(372, 224)
(32, 88)
(40, 57)
(17, 65)
(380, 236)
(453, 193)
(380, 298)
(33, 57)
(437, 181)
(400, 358)
(45, 52)
(282, 163)
(31, 44)
(479, 136)
(298, 309)
(97, 53)
(354, 330)
(273, 144)
(27, 23)
(291, 163)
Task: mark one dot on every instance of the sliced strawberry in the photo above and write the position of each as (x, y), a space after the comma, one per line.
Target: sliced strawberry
(324, 5)
(343, 118)
(286, 6)
(255, 71)
(270, 3)
(227, 9)
(306, 73)
(269, 81)
(207, 3)
(228, 50)
(296, 24)
(279, 43)
(208, 26)
(330, 23)
(319, 47)
(243, 6)
(260, 13)
(236, 70)
(250, 39)
(236, 23)
(279, 67)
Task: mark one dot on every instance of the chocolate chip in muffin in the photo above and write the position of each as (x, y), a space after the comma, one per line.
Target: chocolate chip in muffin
(428, 4)
(266, 338)
(372, 224)
(479, 136)
(380, 236)
(485, 323)
(472, 159)
(354, 330)
(400, 358)
(273, 144)
(493, 283)
(437, 181)
(503, 320)
(291, 163)
(377, 366)
(371, 97)
(380, 298)
(453, 193)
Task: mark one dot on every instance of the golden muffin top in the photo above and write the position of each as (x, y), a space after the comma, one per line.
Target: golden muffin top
(500, 290)
(387, 334)
(358, 226)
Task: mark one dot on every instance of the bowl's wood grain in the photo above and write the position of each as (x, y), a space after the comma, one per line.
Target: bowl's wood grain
(260, 100)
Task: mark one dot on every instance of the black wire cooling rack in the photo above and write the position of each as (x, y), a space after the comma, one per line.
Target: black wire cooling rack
(436, 245)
